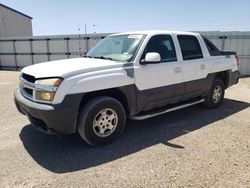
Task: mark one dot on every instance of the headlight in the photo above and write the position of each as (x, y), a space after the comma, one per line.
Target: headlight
(44, 96)
(46, 89)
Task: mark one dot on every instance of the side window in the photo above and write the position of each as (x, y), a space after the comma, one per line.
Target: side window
(190, 47)
(213, 50)
(162, 44)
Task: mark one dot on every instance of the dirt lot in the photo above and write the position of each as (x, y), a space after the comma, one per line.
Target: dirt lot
(193, 147)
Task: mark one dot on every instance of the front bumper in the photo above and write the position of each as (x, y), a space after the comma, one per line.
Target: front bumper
(52, 119)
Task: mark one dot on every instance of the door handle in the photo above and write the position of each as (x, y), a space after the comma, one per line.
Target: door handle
(177, 69)
(202, 66)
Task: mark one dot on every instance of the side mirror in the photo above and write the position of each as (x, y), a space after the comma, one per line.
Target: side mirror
(151, 58)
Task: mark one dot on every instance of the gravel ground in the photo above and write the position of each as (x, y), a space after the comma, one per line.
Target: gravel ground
(192, 147)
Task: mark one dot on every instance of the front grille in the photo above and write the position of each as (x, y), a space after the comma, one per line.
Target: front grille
(25, 87)
(29, 78)
(29, 91)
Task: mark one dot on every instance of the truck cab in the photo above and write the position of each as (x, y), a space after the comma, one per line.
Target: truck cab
(136, 75)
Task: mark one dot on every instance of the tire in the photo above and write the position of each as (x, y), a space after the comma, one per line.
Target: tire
(101, 121)
(215, 96)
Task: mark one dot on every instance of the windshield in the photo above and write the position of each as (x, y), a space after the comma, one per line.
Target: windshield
(117, 48)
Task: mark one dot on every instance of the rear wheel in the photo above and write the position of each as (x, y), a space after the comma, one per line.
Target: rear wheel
(216, 94)
(101, 120)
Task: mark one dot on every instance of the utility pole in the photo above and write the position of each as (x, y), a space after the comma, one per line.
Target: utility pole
(79, 40)
(94, 29)
(85, 28)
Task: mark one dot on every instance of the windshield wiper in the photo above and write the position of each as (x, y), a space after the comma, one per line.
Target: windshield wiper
(98, 57)
(87, 56)
(103, 57)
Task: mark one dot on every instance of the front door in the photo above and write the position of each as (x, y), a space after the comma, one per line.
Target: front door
(159, 84)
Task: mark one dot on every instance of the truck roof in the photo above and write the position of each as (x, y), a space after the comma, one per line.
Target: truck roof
(153, 32)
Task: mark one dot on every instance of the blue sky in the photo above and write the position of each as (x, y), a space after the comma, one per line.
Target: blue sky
(57, 17)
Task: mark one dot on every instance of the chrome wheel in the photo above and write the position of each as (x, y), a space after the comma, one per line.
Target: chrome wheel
(105, 122)
(217, 94)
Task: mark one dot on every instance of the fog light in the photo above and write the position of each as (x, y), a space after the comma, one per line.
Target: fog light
(46, 96)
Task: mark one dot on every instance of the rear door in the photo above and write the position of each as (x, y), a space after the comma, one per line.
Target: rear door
(159, 83)
(193, 66)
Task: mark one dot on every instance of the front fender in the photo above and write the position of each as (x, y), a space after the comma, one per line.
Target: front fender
(93, 81)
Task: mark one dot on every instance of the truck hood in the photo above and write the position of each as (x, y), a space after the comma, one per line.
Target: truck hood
(67, 67)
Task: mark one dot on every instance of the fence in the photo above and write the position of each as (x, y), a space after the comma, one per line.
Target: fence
(23, 51)
(19, 52)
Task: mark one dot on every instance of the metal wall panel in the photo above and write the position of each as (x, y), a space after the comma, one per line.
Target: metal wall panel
(57, 57)
(6, 47)
(22, 46)
(40, 58)
(76, 46)
(57, 46)
(39, 46)
(246, 47)
(244, 66)
(74, 56)
(7, 61)
(13, 24)
(23, 60)
(83, 44)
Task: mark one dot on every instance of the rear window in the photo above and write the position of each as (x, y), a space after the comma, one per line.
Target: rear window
(190, 47)
(213, 50)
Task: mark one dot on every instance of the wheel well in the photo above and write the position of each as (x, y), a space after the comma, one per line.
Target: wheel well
(224, 76)
(114, 93)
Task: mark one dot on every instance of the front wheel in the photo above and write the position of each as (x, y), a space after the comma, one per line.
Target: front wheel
(215, 96)
(101, 120)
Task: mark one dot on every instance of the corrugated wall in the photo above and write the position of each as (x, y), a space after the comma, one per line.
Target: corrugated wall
(13, 24)
(19, 52)
(23, 51)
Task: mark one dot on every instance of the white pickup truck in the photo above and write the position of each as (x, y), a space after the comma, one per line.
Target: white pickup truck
(136, 75)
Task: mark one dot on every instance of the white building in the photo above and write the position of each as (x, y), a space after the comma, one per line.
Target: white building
(14, 23)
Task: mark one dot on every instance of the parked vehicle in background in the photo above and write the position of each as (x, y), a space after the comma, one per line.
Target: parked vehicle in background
(137, 75)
